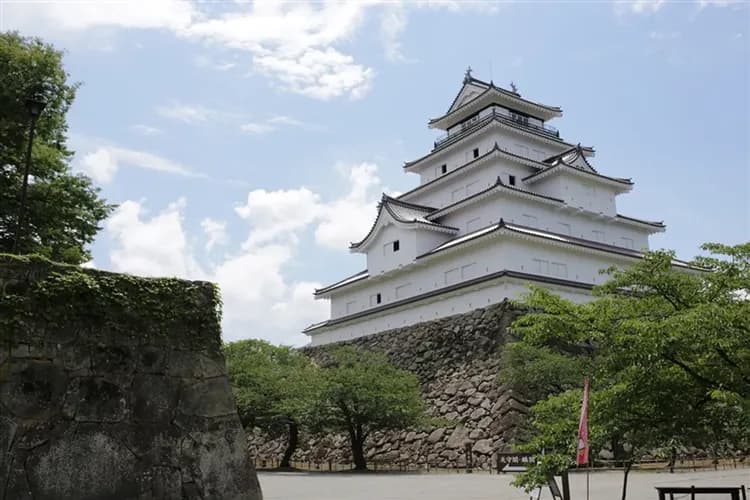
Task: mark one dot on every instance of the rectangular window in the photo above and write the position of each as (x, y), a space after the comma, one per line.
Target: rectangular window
(476, 152)
(598, 235)
(451, 276)
(350, 306)
(471, 188)
(473, 224)
(512, 180)
(541, 266)
(468, 271)
(396, 246)
(375, 299)
(529, 220)
(403, 291)
(458, 194)
(443, 168)
(559, 269)
(627, 242)
(563, 228)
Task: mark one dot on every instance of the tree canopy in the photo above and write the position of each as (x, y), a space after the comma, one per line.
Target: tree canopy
(668, 352)
(64, 210)
(274, 386)
(363, 392)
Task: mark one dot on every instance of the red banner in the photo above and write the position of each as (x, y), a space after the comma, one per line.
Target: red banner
(582, 456)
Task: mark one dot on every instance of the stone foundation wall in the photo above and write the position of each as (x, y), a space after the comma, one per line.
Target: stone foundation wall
(456, 360)
(114, 387)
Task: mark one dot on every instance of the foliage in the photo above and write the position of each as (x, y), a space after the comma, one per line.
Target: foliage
(274, 386)
(63, 210)
(34, 290)
(363, 392)
(667, 350)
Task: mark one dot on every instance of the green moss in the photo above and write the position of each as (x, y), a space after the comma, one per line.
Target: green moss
(38, 295)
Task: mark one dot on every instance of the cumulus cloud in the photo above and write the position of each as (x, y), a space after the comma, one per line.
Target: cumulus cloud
(259, 299)
(215, 231)
(103, 163)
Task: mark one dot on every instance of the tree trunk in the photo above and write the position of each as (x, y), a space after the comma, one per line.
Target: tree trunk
(291, 444)
(628, 465)
(565, 486)
(672, 459)
(358, 447)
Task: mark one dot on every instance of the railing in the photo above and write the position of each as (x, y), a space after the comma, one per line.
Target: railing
(516, 120)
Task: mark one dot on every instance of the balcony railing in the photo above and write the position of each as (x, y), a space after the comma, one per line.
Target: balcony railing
(516, 120)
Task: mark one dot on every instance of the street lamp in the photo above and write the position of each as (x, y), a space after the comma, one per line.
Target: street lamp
(34, 106)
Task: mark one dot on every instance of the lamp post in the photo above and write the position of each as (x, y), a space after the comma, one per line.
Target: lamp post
(34, 106)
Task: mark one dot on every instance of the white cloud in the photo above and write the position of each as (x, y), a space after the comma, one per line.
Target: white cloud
(216, 232)
(187, 113)
(275, 215)
(638, 6)
(151, 247)
(146, 129)
(271, 125)
(297, 45)
(103, 163)
(79, 15)
(259, 300)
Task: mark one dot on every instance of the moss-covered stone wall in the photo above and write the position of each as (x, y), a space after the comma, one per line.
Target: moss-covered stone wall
(114, 387)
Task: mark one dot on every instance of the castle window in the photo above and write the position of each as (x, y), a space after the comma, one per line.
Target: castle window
(512, 180)
(396, 246)
(443, 168)
(476, 152)
(375, 299)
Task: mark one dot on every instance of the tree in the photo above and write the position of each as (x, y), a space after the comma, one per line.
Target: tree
(63, 210)
(274, 386)
(667, 350)
(361, 393)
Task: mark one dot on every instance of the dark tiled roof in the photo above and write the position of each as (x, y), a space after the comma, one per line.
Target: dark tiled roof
(641, 221)
(498, 184)
(485, 122)
(490, 86)
(404, 212)
(346, 281)
(562, 164)
(569, 157)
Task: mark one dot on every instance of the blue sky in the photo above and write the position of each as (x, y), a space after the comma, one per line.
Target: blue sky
(247, 143)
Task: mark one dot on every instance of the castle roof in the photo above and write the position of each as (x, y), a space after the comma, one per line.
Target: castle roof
(487, 92)
(492, 120)
(515, 230)
(401, 212)
(579, 166)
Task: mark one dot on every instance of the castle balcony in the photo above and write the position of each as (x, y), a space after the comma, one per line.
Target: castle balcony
(508, 117)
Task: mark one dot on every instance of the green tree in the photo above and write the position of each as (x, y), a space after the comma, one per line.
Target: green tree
(362, 393)
(274, 386)
(668, 351)
(63, 210)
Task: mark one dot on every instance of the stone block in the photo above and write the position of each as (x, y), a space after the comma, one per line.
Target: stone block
(436, 435)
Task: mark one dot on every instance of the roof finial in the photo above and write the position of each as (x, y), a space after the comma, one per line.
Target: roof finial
(467, 75)
(513, 87)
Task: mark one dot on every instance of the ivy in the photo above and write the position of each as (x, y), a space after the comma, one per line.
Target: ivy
(38, 294)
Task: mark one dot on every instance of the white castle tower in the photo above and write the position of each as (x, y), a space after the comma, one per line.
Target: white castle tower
(503, 202)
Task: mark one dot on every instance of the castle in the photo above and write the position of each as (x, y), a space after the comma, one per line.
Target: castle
(503, 202)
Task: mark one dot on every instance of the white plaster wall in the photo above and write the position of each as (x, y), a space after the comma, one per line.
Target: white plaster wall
(545, 216)
(474, 179)
(491, 255)
(509, 140)
(578, 192)
(445, 306)
(380, 255)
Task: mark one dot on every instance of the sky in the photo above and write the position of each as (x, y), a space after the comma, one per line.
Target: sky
(247, 143)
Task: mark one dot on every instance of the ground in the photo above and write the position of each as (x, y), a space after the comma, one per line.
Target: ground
(478, 486)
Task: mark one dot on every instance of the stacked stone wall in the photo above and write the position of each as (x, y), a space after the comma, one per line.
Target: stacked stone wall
(457, 360)
(114, 387)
